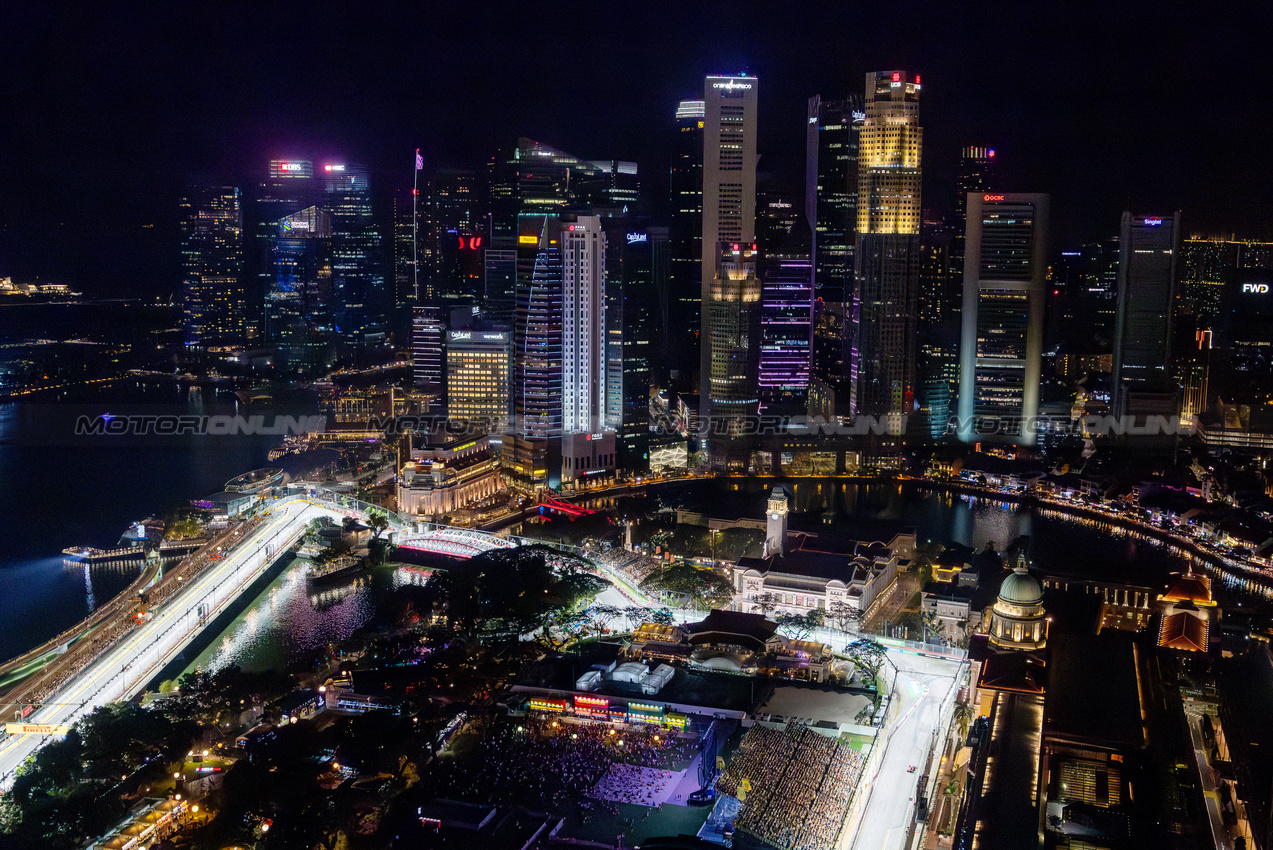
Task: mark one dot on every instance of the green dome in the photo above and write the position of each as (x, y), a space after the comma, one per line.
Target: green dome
(1020, 589)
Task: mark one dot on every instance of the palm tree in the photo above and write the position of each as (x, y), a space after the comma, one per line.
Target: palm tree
(962, 716)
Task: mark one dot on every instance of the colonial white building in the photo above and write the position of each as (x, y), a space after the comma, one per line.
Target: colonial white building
(447, 478)
(806, 579)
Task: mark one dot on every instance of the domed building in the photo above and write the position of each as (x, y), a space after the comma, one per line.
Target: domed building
(1017, 619)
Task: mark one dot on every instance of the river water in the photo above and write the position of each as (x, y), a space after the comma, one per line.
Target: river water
(290, 625)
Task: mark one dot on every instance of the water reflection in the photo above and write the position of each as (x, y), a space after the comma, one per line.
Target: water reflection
(292, 624)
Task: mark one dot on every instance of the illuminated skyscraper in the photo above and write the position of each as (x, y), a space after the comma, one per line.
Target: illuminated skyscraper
(786, 336)
(288, 188)
(976, 165)
(478, 378)
(1001, 343)
(1142, 331)
(682, 319)
(729, 234)
(358, 273)
(428, 328)
(583, 249)
(733, 310)
(831, 188)
(537, 386)
(637, 267)
(885, 304)
(299, 290)
(212, 265)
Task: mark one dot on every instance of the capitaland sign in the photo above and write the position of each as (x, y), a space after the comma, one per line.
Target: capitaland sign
(1255, 288)
(633, 238)
(731, 84)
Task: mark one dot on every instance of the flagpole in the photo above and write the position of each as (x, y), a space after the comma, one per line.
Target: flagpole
(415, 228)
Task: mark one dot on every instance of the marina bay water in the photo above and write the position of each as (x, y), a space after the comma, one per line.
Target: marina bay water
(57, 492)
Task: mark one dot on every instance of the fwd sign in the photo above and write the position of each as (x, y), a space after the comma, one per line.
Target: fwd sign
(1257, 288)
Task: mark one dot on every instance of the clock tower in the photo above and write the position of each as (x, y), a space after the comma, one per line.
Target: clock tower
(776, 523)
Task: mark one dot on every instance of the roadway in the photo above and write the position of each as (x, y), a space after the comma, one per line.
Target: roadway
(925, 689)
(122, 671)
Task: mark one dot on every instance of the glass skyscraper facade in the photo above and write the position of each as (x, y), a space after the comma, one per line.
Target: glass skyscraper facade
(358, 273)
(786, 337)
(1002, 337)
(1146, 298)
(885, 304)
(213, 304)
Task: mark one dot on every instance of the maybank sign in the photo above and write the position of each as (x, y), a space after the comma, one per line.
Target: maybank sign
(731, 84)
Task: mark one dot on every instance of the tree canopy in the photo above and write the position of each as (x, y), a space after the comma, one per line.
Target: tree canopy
(510, 592)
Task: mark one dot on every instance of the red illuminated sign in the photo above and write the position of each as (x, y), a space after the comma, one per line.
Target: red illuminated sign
(897, 78)
(992, 197)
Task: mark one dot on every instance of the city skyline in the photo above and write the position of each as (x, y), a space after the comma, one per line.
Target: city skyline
(1061, 86)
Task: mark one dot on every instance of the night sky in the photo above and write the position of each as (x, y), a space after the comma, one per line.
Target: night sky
(107, 110)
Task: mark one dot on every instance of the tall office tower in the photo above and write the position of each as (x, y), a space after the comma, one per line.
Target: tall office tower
(479, 366)
(583, 324)
(831, 187)
(885, 303)
(289, 187)
(1195, 370)
(832, 134)
(732, 309)
(298, 295)
(786, 309)
(1001, 344)
(406, 241)
(637, 267)
(976, 165)
(683, 320)
(1143, 328)
(451, 210)
(212, 265)
(428, 329)
(358, 274)
(1205, 265)
(729, 225)
(499, 297)
(537, 386)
